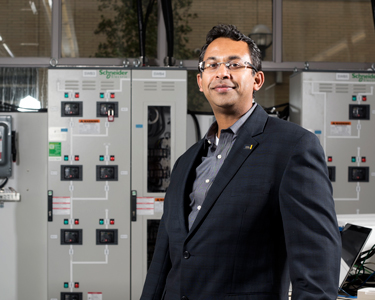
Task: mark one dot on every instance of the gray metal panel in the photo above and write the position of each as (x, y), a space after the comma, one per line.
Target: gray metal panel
(97, 268)
(153, 87)
(23, 225)
(323, 101)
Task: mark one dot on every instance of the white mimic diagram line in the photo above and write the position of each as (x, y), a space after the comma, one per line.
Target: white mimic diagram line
(71, 186)
(324, 117)
(121, 82)
(358, 187)
(351, 136)
(71, 253)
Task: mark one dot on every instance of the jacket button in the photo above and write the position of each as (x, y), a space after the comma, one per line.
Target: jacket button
(186, 256)
(184, 298)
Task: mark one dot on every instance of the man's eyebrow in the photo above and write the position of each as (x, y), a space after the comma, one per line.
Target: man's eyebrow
(229, 58)
(234, 57)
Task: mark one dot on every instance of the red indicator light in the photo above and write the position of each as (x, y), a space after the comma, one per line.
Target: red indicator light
(329, 158)
(112, 158)
(76, 221)
(76, 95)
(76, 158)
(363, 159)
(364, 98)
(112, 221)
(112, 95)
(76, 285)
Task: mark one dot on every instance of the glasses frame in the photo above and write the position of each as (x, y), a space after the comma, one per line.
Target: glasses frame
(227, 65)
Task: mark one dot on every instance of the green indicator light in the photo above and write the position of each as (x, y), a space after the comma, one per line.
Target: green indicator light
(101, 157)
(101, 222)
(66, 157)
(353, 159)
(66, 285)
(354, 98)
(66, 221)
(66, 95)
(102, 95)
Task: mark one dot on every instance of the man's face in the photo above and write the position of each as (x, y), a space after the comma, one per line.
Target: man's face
(227, 91)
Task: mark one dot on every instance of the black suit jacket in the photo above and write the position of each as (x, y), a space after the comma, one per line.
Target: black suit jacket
(268, 218)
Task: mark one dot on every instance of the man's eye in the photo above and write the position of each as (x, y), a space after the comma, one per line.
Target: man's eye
(235, 65)
(212, 66)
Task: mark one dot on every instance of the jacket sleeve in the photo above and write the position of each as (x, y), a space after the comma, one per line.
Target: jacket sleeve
(310, 224)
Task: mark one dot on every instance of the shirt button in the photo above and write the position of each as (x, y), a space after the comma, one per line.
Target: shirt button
(199, 207)
(219, 156)
(207, 180)
(186, 254)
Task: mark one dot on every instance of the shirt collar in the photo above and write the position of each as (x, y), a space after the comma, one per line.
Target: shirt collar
(211, 133)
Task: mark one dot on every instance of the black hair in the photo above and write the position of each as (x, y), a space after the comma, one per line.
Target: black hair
(231, 31)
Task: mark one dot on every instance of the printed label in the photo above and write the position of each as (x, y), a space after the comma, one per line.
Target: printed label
(54, 149)
(89, 73)
(94, 296)
(342, 76)
(159, 74)
(145, 205)
(61, 205)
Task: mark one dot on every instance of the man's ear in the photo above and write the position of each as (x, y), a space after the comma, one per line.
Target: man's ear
(199, 81)
(258, 80)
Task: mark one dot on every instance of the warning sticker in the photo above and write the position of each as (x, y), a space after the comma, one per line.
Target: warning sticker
(159, 205)
(341, 123)
(89, 126)
(61, 205)
(341, 129)
(94, 296)
(89, 121)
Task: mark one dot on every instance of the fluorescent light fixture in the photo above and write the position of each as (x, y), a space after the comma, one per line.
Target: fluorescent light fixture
(1, 38)
(8, 50)
(50, 3)
(33, 7)
(30, 44)
(29, 103)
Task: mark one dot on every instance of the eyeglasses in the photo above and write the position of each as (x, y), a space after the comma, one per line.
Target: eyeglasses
(233, 65)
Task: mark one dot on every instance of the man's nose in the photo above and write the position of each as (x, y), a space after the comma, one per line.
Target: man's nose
(222, 71)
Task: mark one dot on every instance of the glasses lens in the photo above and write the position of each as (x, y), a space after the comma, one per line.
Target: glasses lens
(233, 65)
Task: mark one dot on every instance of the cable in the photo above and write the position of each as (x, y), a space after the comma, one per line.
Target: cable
(197, 127)
(141, 32)
(4, 183)
(284, 114)
(373, 10)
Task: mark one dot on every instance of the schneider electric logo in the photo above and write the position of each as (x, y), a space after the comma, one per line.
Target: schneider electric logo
(113, 74)
(363, 77)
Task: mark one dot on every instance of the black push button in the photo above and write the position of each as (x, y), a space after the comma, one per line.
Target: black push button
(184, 297)
(186, 256)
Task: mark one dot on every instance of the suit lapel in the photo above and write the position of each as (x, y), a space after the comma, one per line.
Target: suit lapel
(188, 164)
(244, 145)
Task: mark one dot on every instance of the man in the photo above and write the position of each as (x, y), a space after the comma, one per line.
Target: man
(249, 207)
